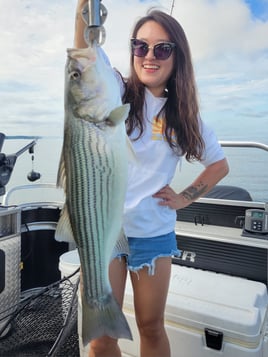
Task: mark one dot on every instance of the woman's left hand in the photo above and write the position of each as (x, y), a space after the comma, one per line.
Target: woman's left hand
(168, 197)
(202, 184)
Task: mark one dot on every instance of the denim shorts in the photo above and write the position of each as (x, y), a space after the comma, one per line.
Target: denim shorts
(143, 252)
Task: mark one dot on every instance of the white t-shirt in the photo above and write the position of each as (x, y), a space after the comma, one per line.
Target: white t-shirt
(154, 168)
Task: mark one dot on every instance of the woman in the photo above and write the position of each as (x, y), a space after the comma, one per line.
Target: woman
(164, 125)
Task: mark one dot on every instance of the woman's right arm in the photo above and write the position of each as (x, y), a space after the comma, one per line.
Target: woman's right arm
(79, 41)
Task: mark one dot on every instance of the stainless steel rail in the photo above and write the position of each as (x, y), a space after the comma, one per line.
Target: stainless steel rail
(244, 144)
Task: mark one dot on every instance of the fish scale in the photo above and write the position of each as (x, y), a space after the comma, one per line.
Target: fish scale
(96, 227)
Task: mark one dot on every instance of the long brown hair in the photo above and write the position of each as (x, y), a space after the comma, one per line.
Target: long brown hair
(181, 110)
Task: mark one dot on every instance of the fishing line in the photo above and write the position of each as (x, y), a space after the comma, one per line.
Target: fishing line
(172, 7)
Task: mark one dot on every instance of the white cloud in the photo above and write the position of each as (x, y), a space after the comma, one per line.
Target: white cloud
(229, 47)
(230, 52)
(214, 27)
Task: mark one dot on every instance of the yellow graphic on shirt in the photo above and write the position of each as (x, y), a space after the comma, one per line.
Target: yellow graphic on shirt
(158, 130)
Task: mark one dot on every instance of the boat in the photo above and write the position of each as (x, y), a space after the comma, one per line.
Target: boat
(223, 239)
(217, 303)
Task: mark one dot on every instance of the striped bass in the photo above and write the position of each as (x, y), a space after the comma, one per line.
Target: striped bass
(93, 173)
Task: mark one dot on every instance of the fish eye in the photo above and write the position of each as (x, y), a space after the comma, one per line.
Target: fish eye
(75, 75)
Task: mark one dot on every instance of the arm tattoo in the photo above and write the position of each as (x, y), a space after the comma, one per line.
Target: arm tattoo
(193, 192)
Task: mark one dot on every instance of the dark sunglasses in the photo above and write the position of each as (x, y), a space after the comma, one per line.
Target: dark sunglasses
(162, 51)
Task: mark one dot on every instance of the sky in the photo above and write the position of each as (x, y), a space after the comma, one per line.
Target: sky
(228, 40)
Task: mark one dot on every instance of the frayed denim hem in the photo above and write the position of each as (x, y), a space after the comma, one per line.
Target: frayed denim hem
(151, 266)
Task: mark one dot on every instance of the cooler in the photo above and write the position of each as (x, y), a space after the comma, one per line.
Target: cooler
(69, 262)
(209, 315)
(9, 263)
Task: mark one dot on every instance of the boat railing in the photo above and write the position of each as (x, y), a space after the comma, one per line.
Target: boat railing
(31, 187)
(244, 144)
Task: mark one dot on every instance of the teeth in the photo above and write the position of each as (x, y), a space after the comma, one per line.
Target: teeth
(150, 66)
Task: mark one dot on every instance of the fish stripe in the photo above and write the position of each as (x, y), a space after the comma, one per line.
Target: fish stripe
(90, 161)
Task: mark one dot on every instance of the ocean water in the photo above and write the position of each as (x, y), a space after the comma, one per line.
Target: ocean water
(248, 167)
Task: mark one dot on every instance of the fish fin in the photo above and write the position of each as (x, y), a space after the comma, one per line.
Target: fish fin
(64, 232)
(121, 246)
(103, 319)
(119, 114)
(116, 117)
(61, 177)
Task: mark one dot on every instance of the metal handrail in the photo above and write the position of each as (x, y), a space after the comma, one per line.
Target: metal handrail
(6, 197)
(244, 144)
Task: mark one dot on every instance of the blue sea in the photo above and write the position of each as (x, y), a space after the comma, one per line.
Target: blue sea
(248, 167)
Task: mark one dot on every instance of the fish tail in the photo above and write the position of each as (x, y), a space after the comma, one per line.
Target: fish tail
(103, 319)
